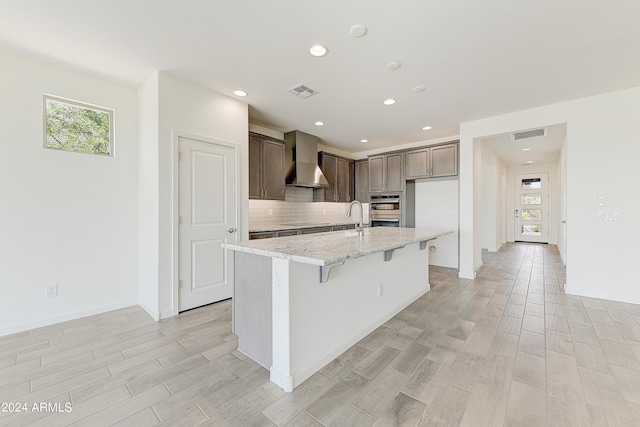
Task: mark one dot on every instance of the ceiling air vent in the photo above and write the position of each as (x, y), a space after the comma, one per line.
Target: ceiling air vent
(302, 91)
(528, 134)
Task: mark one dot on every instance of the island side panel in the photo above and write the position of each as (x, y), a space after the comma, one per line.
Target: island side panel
(280, 372)
(252, 306)
(328, 318)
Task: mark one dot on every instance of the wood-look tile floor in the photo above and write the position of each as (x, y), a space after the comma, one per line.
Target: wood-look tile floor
(509, 348)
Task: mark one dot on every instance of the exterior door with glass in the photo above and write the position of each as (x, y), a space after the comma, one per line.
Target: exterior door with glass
(531, 208)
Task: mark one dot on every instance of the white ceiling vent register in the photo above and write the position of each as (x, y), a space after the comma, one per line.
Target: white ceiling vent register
(302, 91)
(528, 134)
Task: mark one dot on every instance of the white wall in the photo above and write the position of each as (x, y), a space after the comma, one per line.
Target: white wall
(562, 194)
(602, 148)
(437, 206)
(493, 194)
(488, 211)
(148, 193)
(65, 218)
(501, 207)
(195, 110)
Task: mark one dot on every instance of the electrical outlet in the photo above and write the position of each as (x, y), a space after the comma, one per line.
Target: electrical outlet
(380, 289)
(270, 211)
(51, 291)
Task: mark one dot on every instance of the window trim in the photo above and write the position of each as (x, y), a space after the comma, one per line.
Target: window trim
(47, 97)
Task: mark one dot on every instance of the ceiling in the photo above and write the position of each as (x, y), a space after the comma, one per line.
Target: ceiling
(475, 59)
(530, 151)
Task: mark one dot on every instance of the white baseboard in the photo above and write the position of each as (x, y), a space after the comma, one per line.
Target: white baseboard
(155, 313)
(497, 248)
(151, 311)
(469, 274)
(166, 314)
(570, 290)
(65, 317)
(284, 381)
(466, 275)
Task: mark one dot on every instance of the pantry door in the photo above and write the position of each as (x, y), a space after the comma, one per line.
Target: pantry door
(531, 208)
(207, 208)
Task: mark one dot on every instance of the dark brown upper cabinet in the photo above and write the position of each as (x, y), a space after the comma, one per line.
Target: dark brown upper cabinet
(432, 162)
(266, 167)
(339, 172)
(361, 176)
(386, 173)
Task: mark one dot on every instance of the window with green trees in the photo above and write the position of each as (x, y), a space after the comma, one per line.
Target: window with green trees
(74, 126)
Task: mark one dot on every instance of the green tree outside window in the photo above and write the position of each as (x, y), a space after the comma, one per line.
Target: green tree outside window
(73, 126)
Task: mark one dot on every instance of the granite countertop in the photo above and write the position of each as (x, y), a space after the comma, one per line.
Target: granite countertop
(337, 246)
(293, 226)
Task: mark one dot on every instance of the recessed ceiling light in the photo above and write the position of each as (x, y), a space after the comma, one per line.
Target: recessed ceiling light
(240, 93)
(426, 128)
(394, 65)
(364, 140)
(358, 30)
(319, 123)
(318, 50)
(418, 88)
(389, 101)
(526, 149)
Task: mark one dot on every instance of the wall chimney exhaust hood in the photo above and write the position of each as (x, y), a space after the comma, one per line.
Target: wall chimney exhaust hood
(301, 158)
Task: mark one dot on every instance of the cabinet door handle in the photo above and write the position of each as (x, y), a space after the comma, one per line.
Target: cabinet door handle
(232, 230)
(265, 193)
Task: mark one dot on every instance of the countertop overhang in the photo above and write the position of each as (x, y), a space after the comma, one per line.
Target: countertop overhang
(326, 249)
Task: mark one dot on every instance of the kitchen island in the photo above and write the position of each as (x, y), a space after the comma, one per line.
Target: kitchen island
(301, 301)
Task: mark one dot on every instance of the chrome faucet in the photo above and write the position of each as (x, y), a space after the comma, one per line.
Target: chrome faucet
(359, 225)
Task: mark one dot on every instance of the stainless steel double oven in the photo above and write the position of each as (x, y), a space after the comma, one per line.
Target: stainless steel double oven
(385, 210)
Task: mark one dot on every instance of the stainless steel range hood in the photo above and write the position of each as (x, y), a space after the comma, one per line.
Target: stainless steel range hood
(301, 158)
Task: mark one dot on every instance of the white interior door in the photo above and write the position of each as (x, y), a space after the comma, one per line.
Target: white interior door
(207, 210)
(531, 207)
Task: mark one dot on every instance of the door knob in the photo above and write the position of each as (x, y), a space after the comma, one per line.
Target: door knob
(232, 230)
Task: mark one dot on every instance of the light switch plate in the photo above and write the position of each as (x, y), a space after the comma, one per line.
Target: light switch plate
(51, 291)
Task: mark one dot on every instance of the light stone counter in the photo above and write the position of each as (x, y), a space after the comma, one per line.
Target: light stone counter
(335, 247)
(294, 321)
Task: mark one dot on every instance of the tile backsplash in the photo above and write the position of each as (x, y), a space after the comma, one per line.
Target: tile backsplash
(299, 207)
